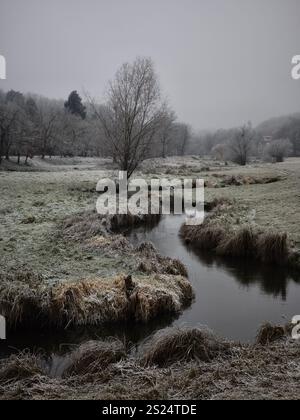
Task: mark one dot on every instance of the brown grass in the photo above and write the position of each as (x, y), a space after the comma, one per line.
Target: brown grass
(232, 372)
(90, 224)
(239, 244)
(89, 302)
(83, 226)
(245, 242)
(269, 333)
(218, 202)
(27, 303)
(273, 248)
(161, 296)
(94, 356)
(174, 345)
(23, 296)
(203, 237)
(18, 367)
(240, 180)
(153, 262)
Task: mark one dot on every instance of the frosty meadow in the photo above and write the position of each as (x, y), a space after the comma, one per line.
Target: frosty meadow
(160, 196)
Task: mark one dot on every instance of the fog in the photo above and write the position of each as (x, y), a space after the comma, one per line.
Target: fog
(220, 62)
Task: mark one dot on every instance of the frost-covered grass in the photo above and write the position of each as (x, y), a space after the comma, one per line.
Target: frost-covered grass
(269, 207)
(69, 264)
(182, 364)
(50, 231)
(33, 204)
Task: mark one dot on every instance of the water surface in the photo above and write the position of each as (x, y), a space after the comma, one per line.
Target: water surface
(233, 297)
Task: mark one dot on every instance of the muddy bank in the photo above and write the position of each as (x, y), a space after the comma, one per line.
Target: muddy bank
(203, 367)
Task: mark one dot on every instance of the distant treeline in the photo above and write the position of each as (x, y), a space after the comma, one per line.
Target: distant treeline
(271, 140)
(132, 125)
(31, 125)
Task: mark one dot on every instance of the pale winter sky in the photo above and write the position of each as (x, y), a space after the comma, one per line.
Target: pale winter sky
(220, 62)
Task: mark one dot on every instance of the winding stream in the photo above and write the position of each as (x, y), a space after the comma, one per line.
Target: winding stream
(232, 297)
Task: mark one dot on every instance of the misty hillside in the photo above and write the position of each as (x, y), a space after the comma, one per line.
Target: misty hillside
(273, 126)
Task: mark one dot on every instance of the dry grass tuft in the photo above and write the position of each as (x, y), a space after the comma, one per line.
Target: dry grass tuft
(174, 345)
(83, 226)
(146, 249)
(217, 203)
(90, 224)
(23, 296)
(89, 302)
(239, 244)
(240, 180)
(203, 237)
(94, 356)
(269, 333)
(92, 302)
(153, 262)
(273, 248)
(176, 268)
(18, 367)
(245, 242)
(190, 367)
(162, 295)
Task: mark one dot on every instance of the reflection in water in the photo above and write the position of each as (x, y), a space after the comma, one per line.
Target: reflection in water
(233, 296)
(272, 280)
(62, 342)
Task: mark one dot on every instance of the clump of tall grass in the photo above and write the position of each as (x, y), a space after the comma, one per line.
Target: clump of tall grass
(91, 224)
(240, 180)
(240, 244)
(23, 297)
(82, 226)
(94, 356)
(203, 237)
(217, 202)
(28, 303)
(269, 333)
(272, 248)
(174, 345)
(153, 262)
(161, 296)
(245, 242)
(20, 366)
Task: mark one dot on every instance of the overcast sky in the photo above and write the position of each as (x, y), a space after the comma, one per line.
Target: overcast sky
(220, 62)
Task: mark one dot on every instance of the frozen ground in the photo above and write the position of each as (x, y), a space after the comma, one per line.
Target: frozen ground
(34, 204)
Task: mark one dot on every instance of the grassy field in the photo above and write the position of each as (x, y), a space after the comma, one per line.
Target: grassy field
(48, 233)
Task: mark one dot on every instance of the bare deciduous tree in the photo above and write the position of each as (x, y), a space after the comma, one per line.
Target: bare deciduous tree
(241, 145)
(166, 130)
(46, 127)
(132, 114)
(8, 118)
(279, 149)
(184, 134)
